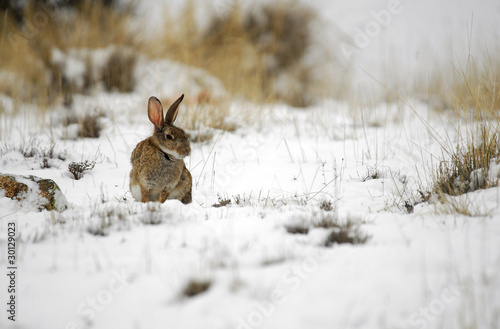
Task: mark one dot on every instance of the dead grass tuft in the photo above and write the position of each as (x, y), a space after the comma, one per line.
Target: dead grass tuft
(468, 167)
(222, 201)
(372, 173)
(90, 126)
(118, 73)
(297, 229)
(462, 205)
(347, 231)
(195, 287)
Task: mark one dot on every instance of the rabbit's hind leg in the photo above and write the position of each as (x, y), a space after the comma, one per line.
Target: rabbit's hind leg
(183, 189)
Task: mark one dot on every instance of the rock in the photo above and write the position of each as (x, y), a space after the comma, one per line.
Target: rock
(34, 191)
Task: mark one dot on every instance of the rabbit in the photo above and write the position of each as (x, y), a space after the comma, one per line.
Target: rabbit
(158, 170)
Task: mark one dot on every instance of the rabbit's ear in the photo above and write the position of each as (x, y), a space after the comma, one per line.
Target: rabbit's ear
(172, 110)
(155, 111)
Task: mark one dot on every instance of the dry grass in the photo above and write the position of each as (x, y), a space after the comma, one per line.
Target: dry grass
(348, 231)
(472, 92)
(253, 52)
(297, 228)
(473, 86)
(89, 126)
(118, 73)
(258, 53)
(479, 89)
(345, 234)
(26, 48)
(339, 231)
(462, 205)
(46, 155)
(468, 167)
(467, 164)
(203, 112)
(221, 201)
(247, 50)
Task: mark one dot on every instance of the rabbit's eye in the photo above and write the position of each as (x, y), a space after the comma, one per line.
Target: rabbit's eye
(170, 137)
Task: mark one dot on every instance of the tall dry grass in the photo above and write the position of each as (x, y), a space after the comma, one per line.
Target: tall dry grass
(463, 87)
(26, 45)
(257, 53)
(469, 93)
(468, 165)
(473, 93)
(479, 88)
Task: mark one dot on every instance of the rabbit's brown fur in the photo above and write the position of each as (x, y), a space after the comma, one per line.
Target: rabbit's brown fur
(158, 169)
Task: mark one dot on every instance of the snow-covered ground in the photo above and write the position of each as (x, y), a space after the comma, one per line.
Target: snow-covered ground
(111, 262)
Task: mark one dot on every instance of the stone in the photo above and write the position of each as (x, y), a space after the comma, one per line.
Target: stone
(39, 192)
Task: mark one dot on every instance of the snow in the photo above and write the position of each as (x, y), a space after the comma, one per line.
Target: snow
(111, 262)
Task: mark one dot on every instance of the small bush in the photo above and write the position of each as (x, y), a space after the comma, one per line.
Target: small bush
(78, 168)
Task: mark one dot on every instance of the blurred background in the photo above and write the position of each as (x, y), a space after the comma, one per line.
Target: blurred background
(289, 51)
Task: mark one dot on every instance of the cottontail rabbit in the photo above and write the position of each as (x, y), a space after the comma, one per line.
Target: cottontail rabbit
(158, 171)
